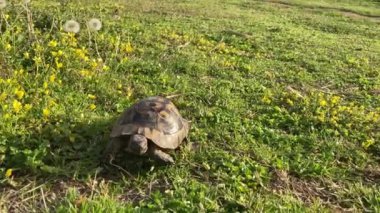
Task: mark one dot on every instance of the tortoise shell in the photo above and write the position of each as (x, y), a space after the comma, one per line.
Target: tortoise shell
(156, 118)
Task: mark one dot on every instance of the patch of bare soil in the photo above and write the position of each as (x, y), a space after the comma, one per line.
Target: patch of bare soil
(307, 190)
(42, 196)
(370, 175)
(135, 195)
(33, 195)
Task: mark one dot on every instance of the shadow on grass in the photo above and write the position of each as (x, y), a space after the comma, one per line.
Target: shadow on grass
(67, 149)
(64, 158)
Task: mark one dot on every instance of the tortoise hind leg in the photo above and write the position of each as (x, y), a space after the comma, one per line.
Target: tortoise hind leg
(159, 155)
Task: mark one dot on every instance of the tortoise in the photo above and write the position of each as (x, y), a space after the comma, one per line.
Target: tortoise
(150, 127)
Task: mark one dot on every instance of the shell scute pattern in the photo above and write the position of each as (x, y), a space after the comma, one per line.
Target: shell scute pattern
(156, 118)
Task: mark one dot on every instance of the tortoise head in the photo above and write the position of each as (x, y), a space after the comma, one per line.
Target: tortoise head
(138, 144)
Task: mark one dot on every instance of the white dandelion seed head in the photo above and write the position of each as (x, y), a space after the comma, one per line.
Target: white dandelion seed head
(71, 26)
(94, 24)
(3, 4)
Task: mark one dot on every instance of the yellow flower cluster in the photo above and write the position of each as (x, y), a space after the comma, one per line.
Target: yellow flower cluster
(176, 38)
(13, 95)
(203, 43)
(53, 43)
(17, 106)
(82, 54)
(330, 111)
(69, 39)
(127, 48)
(267, 97)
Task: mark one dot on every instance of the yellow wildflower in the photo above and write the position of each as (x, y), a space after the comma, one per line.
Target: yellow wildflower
(7, 115)
(90, 96)
(26, 55)
(202, 41)
(106, 68)
(60, 53)
(129, 92)
(94, 64)
(8, 173)
(119, 86)
(92, 106)
(335, 99)
(27, 107)
(52, 78)
(128, 48)
(46, 112)
(72, 41)
(342, 108)
(266, 100)
(19, 93)
(124, 60)
(334, 122)
(368, 143)
(57, 54)
(17, 106)
(19, 72)
(81, 53)
(8, 47)
(321, 117)
(53, 43)
(45, 85)
(37, 59)
(322, 103)
(39, 48)
(290, 102)
(58, 64)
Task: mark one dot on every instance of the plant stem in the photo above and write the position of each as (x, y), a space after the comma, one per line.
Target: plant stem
(30, 22)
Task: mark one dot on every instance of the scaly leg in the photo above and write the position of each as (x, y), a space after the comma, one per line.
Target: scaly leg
(159, 155)
(112, 149)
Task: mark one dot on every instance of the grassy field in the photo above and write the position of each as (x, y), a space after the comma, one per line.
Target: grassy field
(284, 99)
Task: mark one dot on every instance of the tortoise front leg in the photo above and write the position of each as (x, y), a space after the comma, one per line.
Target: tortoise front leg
(112, 149)
(159, 155)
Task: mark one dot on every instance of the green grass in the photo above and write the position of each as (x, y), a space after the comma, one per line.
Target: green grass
(364, 8)
(283, 99)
